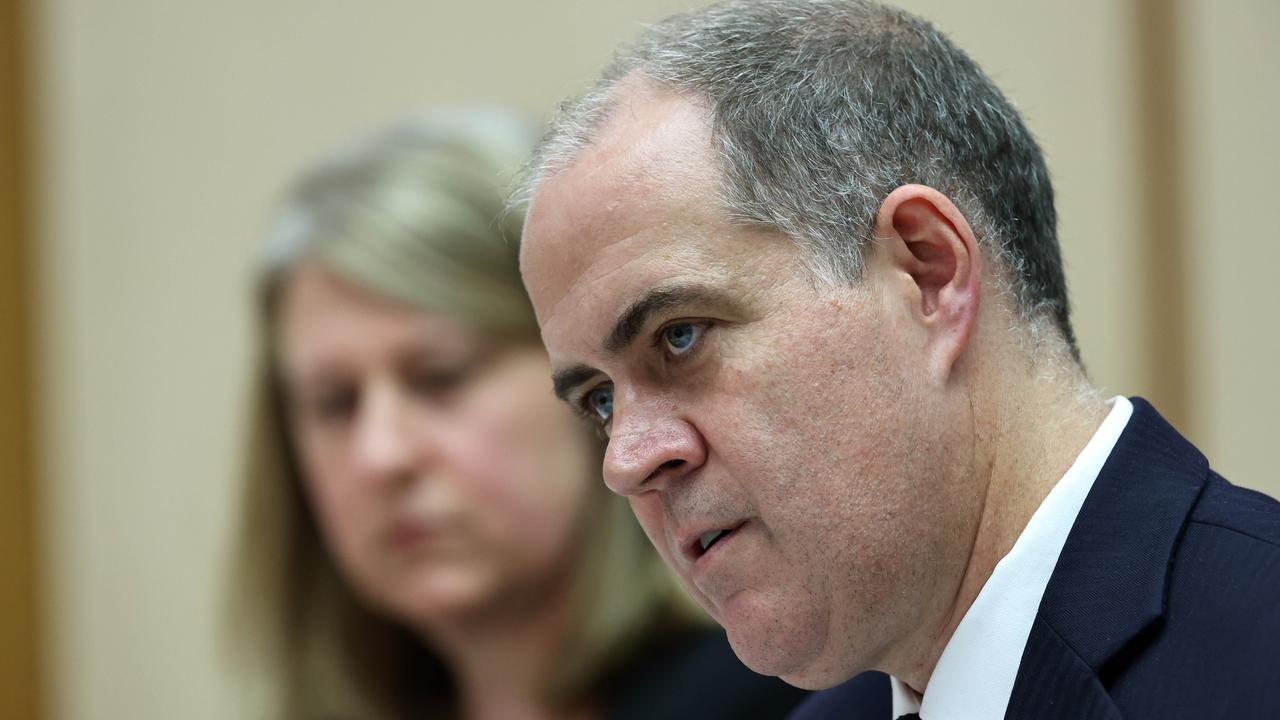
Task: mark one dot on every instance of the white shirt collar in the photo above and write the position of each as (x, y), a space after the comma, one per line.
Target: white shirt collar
(974, 676)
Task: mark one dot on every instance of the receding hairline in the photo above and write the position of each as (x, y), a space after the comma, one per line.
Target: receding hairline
(798, 89)
(671, 153)
(616, 96)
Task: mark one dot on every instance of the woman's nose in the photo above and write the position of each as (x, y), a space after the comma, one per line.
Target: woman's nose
(387, 444)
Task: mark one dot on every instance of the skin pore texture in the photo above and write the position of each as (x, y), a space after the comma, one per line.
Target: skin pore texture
(448, 484)
(875, 448)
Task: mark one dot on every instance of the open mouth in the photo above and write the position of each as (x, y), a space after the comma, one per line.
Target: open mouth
(710, 539)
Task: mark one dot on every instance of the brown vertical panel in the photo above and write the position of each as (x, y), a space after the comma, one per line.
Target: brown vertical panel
(19, 621)
(1165, 283)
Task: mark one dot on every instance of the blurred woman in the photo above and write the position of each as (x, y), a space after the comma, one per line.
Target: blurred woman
(425, 534)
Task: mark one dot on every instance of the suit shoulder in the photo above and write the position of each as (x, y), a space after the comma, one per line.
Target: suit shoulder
(1216, 647)
(1248, 513)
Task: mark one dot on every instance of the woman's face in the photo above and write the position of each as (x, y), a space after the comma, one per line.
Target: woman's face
(447, 480)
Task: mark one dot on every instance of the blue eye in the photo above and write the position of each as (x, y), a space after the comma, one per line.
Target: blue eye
(681, 337)
(599, 402)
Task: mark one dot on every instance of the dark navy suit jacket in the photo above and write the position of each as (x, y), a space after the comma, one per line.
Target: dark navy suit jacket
(1165, 602)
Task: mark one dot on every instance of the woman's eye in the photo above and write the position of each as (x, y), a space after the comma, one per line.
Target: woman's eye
(334, 405)
(435, 383)
(599, 402)
(681, 337)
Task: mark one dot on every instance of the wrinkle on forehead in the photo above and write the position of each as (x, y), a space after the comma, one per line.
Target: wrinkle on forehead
(622, 272)
(650, 171)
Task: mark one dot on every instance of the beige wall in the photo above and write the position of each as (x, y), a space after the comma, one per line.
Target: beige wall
(1069, 68)
(168, 127)
(1232, 101)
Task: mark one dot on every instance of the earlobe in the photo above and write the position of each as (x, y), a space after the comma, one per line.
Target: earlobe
(929, 241)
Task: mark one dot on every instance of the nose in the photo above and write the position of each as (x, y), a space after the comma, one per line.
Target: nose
(650, 445)
(386, 445)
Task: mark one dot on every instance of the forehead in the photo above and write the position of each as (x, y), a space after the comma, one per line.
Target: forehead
(323, 316)
(639, 208)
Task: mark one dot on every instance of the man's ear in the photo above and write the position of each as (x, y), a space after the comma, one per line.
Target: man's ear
(922, 235)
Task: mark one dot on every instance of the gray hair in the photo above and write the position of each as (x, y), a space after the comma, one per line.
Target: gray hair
(820, 109)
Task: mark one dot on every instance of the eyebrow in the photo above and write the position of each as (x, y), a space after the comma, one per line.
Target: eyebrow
(565, 380)
(628, 327)
(637, 314)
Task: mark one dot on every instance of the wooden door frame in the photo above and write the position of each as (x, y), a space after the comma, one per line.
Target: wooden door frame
(1164, 281)
(20, 622)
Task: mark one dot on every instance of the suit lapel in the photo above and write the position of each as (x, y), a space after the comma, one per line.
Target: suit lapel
(1055, 684)
(1108, 586)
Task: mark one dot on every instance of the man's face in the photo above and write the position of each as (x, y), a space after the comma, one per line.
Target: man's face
(778, 440)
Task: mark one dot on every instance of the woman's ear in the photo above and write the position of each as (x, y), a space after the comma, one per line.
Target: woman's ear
(923, 236)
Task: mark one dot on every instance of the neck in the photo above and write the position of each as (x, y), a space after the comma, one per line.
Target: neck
(1027, 434)
(500, 659)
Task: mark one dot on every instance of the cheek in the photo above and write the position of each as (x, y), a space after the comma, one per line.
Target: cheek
(345, 509)
(525, 470)
(820, 437)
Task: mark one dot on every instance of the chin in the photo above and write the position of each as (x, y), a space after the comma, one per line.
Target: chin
(817, 678)
(774, 643)
(792, 646)
(774, 662)
(434, 599)
(772, 656)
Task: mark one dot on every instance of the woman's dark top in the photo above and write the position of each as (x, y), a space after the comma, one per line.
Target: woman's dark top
(697, 676)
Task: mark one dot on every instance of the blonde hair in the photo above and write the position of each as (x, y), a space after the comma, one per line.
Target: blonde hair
(416, 214)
